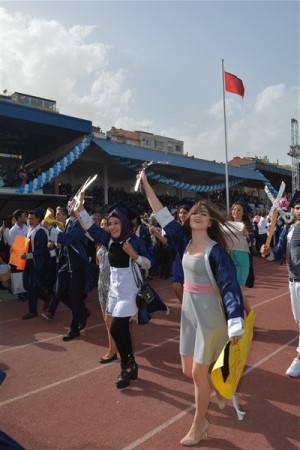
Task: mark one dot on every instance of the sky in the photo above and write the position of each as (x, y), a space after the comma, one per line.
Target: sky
(156, 66)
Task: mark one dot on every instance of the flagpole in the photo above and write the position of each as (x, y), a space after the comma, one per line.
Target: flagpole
(225, 135)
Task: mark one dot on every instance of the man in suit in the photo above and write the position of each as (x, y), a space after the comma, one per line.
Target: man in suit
(71, 278)
(37, 263)
(61, 216)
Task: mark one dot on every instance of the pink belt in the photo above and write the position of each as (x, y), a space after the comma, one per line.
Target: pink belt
(198, 288)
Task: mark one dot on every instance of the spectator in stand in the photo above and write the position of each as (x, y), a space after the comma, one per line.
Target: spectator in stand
(22, 176)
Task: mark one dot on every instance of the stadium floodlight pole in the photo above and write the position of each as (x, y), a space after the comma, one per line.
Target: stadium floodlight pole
(225, 135)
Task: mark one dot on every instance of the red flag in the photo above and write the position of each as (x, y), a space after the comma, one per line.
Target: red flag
(234, 84)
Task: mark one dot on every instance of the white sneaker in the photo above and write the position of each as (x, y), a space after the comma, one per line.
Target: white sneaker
(294, 369)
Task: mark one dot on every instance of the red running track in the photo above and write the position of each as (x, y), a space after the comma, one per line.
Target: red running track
(57, 396)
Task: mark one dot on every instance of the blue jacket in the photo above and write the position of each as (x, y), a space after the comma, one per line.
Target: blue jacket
(222, 268)
(75, 240)
(41, 257)
(104, 237)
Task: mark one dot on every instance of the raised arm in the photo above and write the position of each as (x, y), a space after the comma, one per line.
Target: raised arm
(154, 202)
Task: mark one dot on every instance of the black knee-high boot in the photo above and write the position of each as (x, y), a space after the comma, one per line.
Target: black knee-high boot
(120, 332)
(128, 372)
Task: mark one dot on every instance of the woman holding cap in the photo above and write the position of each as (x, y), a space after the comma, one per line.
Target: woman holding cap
(209, 278)
(124, 249)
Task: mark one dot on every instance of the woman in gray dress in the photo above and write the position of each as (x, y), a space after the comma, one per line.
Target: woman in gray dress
(212, 307)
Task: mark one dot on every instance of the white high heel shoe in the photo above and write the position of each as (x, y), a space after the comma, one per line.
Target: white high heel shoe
(188, 441)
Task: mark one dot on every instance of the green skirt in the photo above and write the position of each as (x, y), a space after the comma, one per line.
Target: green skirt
(242, 264)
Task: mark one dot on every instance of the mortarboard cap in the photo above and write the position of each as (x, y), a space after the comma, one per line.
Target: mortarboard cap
(121, 207)
(295, 199)
(38, 212)
(136, 211)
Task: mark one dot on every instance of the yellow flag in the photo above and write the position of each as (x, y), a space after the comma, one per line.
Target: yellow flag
(230, 364)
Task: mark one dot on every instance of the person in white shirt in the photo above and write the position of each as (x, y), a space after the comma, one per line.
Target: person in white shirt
(262, 229)
(19, 228)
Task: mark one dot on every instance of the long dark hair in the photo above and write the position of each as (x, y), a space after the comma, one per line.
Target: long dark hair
(245, 217)
(215, 231)
(183, 206)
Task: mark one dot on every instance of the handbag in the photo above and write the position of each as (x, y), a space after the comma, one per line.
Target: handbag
(145, 295)
(17, 286)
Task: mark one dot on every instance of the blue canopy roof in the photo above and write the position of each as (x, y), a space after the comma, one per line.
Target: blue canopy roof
(141, 154)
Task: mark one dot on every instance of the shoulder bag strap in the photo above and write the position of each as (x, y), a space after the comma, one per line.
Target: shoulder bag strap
(136, 274)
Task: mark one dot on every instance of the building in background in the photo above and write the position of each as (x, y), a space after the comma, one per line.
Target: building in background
(146, 140)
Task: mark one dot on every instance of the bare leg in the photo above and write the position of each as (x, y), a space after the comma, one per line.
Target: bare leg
(199, 373)
(247, 307)
(112, 349)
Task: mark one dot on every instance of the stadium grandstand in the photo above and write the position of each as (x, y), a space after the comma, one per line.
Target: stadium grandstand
(46, 156)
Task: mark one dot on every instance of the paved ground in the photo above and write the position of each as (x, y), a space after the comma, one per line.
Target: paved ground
(57, 396)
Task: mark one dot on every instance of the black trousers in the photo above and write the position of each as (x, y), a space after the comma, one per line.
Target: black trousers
(119, 330)
(52, 274)
(69, 290)
(34, 284)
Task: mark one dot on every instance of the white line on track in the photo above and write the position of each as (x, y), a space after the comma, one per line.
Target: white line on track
(95, 326)
(179, 416)
(43, 340)
(81, 374)
(157, 430)
(172, 420)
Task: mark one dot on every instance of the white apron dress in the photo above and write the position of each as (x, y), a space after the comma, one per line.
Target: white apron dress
(122, 293)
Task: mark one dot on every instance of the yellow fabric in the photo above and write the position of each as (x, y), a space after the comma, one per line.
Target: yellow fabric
(233, 361)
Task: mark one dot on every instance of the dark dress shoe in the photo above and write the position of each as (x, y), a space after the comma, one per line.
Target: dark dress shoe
(29, 315)
(108, 360)
(46, 303)
(71, 334)
(82, 322)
